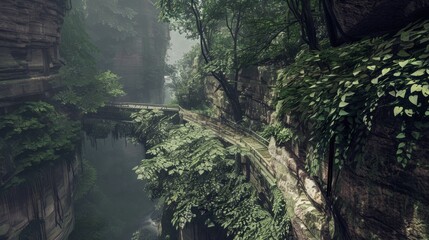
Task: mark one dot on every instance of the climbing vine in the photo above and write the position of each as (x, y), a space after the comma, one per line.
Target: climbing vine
(196, 175)
(340, 92)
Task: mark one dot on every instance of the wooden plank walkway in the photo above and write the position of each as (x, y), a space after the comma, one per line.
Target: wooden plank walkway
(237, 136)
(225, 129)
(133, 105)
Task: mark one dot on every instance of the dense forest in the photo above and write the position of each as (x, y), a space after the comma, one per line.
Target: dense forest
(288, 119)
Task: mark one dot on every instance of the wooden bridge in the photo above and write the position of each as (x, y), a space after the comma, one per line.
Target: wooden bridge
(231, 132)
(140, 106)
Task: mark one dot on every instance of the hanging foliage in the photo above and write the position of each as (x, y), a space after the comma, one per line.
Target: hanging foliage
(340, 91)
(195, 174)
(32, 135)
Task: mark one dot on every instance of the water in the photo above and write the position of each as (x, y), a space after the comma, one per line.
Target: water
(118, 203)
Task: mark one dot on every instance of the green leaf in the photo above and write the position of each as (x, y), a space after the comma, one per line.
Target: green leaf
(387, 56)
(416, 88)
(402, 53)
(418, 73)
(372, 67)
(397, 110)
(374, 81)
(356, 72)
(409, 112)
(425, 90)
(400, 136)
(385, 71)
(401, 145)
(403, 63)
(401, 93)
(414, 99)
(343, 113)
(343, 104)
(416, 135)
(417, 63)
(405, 36)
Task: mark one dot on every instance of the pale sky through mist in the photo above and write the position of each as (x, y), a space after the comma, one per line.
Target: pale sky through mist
(179, 45)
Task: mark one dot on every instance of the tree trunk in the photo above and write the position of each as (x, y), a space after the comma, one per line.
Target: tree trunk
(310, 27)
(237, 112)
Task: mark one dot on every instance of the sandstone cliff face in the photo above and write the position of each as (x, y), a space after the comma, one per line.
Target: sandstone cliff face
(29, 39)
(29, 60)
(386, 201)
(43, 207)
(140, 59)
(256, 87)
(374, 201)
(351, 20)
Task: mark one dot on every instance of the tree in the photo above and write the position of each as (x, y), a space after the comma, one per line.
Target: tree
(188, 81)
(302, 11)
(228, 41)
(195, 174)
(84, 85)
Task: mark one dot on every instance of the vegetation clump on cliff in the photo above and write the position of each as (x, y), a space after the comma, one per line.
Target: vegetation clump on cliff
(339, 93)
(33, 135)
(197, 177)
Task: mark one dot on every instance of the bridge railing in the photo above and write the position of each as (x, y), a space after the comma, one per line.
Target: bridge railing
(218, 126)
(246, 131)
(141, 106)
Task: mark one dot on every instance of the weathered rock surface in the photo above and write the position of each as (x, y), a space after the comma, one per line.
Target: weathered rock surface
(255, 87)
(29, 37)
(306, 205)
(359, 18)
(374, 201)
(43, 207)
(378, 199)
(382, 200)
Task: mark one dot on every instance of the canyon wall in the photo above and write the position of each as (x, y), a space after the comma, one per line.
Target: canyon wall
(42, 207)
(29, 63)
(353, 20)
(29, 39)
(370, 201)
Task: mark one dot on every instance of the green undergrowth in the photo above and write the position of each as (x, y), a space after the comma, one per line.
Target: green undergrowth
(339, 93)
(281, 134)
(197, 176)
(32, 135)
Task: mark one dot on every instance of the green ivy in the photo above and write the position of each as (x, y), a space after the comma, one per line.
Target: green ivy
(338, 92)
(280, 133)
(33, 134)
(196, 175)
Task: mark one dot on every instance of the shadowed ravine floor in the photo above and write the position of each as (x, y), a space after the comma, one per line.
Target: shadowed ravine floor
(118, 199)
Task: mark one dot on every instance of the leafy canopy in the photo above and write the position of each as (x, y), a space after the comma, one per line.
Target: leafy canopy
(233, 35)
(188, 81)
(195, 174)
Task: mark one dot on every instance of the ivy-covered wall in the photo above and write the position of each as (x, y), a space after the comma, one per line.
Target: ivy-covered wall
(366, 105)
